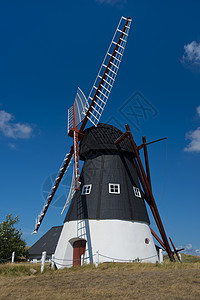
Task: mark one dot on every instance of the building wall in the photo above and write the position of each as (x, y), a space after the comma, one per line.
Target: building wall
(116, 240)
(99, 170)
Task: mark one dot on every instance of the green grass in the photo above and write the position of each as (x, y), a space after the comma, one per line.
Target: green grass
(20, 269)
(186, 258)
(30, 269)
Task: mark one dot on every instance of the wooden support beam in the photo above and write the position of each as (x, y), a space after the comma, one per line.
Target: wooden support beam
(146, 161)
(157, 238)
(142, 146)
(147, 187)
(175, 251)
(121, 138)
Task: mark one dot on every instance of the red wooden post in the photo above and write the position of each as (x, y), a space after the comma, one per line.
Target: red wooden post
(146, 185)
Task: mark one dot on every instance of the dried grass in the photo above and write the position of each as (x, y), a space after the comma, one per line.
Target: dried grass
(108, 281)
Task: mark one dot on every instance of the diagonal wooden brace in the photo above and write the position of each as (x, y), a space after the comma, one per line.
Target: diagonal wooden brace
(147, 188)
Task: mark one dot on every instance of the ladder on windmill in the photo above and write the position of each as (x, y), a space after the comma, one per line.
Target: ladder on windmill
(82, 232)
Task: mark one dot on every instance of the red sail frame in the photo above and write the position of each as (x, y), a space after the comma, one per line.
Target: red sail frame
(76, 153)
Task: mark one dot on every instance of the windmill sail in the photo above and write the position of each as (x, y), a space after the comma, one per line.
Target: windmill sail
(76, 161)
(92, 108)
(81, 106)
(71, 193)
(105, 79)
(65, 165)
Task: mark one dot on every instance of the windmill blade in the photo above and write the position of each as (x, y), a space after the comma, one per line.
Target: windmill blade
(106, 77)
(66, 162)
(81, 106)
(82, 111)
(75, 115)
(71, 193)
(76, 161)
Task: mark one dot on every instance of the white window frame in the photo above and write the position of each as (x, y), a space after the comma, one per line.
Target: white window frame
(114, 185)
(86, 189)
(137, 192)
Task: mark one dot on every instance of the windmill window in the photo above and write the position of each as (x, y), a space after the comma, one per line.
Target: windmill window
(114, 188)
(147, 241)
(86, 190)
(137, 192)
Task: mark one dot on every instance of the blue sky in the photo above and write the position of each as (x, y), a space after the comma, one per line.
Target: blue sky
(49, 48)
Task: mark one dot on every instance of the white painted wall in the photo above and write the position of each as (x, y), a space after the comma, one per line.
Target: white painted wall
(117, 239)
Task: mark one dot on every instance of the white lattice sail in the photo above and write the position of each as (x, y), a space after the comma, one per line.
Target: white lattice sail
(91, 109)
(71, 193)
(81, 106)
(108, 71)
(54, 187)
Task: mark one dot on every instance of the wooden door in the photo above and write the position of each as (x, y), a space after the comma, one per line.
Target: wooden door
(78, 250)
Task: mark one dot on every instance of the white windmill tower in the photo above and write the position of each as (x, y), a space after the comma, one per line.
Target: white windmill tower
(107, 211)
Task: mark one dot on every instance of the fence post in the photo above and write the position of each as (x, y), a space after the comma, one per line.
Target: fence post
(97, 259)
(13, 257)
(53, 262)
(44, 254)
(160, 256)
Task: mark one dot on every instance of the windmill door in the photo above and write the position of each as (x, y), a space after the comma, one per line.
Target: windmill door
(78, 250)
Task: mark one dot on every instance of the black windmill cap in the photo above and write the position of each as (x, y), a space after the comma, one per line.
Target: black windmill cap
(102, 138)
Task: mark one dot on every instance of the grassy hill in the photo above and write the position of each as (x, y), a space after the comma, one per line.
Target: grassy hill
(186, 258)
(108, 281)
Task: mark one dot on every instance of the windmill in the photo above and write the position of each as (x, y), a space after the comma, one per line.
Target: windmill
(106, 202)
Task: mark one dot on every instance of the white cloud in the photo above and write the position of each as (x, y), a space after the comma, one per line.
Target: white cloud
(12, 146)
(189, 249)
(14, 130)
(192, 53)
(194, 137)
(111, 2)
(198, 110)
